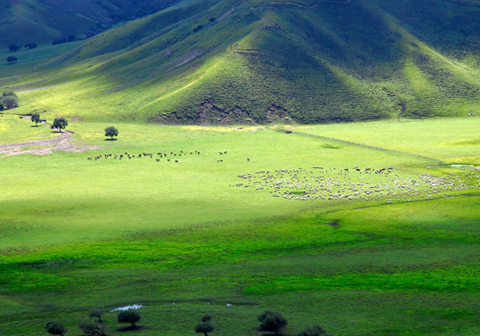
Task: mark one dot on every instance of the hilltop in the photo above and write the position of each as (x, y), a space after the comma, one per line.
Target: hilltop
(306, 61)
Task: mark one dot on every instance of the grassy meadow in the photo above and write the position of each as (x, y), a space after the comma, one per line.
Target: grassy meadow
(183, 240)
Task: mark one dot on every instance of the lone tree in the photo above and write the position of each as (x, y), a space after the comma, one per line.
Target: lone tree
(98, 313)
(11, 59)
(206, 325)
(55, 328)
(111, 132)
(272, 321)
(60, 123)
(129, 316)
(9, 99)
(36, 118)
(315, 330)
(91, 328)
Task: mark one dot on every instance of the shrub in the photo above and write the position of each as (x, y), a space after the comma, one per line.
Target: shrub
(91, 328)
(197, 28)
(98, 313)
(10, 102)
(315, 330)
(55, 328)
(14, 47)
(31, 45)
(129, 316)
(206, 325)
(11, 59)
(272, 321)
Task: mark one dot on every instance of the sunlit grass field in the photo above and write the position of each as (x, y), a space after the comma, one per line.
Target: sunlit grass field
(183, 240)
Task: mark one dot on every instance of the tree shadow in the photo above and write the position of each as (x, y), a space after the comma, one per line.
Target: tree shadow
(130, 328)
(110, 139)
(34, 126)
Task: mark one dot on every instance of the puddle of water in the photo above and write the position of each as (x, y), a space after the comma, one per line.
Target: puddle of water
(134, 306)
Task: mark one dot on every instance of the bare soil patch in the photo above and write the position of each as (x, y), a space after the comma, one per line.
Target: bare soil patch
(44, 147)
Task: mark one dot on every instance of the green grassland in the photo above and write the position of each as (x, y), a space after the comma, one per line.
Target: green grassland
(260, 63)
(27, 131)
(183, 240)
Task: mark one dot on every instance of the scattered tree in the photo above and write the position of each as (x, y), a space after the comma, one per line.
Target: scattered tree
(272, 321)
(14, 47)
(60, 123)
(315, 330)
(212, 19)
(11, 59)
(111, 132)
(2, 107)
(98, 313)
(91, 328)
(31, 45)
(206, 325)
(55, 328)
(35, 118)
(129, 316)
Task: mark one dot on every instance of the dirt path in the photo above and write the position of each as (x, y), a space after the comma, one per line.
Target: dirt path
(48, 146)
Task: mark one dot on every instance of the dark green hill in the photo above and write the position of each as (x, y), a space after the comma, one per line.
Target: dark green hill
(43, 21)
(218, 61)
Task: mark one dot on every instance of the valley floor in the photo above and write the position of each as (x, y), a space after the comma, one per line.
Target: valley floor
(364, 228)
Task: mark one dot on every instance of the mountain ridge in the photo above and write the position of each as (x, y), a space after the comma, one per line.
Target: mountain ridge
(217, 61)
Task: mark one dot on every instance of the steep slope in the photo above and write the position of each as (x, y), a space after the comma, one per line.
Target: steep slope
(218, 61)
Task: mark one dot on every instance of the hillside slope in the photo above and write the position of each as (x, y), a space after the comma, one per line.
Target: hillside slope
(43, 21)
(218, 61)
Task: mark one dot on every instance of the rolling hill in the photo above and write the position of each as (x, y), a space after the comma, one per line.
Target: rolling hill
(43, 21)
(218, 61)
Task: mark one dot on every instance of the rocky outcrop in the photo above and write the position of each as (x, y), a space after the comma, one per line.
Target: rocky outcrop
(211, 114)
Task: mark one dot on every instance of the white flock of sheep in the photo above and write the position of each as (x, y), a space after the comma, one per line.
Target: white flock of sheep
(355, 183)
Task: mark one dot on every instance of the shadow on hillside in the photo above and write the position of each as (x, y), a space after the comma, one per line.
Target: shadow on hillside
(110, 139)
(130, 328)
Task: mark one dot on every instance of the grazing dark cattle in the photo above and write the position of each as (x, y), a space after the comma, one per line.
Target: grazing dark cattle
(168, 160)
(89, 158)
(191, 153)
(248, 159)
(221, 153)
(158, 160)
(176, 160)
(225, 152)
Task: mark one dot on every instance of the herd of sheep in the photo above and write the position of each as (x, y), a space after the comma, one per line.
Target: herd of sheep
(355, 183)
